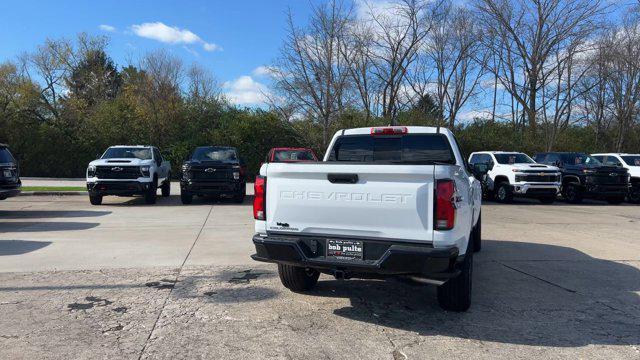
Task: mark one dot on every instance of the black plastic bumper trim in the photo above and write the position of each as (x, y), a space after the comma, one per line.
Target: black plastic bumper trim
(395, 259)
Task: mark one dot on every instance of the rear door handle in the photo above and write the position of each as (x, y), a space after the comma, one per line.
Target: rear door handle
(342, 178)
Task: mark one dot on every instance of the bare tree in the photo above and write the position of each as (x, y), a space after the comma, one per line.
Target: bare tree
(454, 49)
(310, 70)
(356, 51)
(624, 76)
(161, 92)
(398, 30)
(202, 85)
(531, 30)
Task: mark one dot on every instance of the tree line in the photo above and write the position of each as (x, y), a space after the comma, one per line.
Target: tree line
(527, 75)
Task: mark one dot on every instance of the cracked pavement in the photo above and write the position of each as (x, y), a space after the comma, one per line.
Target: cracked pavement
(130, 281)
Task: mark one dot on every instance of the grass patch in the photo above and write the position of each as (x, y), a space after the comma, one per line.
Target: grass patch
(54, 188)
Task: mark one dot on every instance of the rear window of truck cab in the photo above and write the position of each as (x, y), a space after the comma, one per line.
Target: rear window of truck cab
(409, 148)
(293, 155)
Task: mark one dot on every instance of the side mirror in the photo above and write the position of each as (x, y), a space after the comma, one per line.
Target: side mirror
(479, 170)
(489, 166)
(557, 163)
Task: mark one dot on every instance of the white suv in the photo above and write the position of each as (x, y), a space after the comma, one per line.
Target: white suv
(125, 170)
(516, 174)
(631, 162)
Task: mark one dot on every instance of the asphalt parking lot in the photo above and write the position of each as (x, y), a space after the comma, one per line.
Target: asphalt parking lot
(131, 281)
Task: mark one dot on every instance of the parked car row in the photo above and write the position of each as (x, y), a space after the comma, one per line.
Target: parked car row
(384, 202)
(139, 170)
(609, 177)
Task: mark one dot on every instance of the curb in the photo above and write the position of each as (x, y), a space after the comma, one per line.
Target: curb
(52, 193)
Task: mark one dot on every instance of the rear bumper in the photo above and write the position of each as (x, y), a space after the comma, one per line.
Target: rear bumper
(533, 190)
(228, 187)
(120, 188)
(381, 257)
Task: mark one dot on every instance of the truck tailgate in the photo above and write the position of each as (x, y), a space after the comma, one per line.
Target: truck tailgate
(351, 200)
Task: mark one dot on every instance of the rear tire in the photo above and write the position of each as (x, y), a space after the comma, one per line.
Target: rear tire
(476, 235)
(95, 199)
(151, 194)
(503, 193)
(634, 197)
(571, 193)
(296, 278)
(166, 187)
(186, 197)
(455, 294)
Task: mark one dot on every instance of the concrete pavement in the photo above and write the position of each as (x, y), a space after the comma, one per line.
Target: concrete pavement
(128, 280)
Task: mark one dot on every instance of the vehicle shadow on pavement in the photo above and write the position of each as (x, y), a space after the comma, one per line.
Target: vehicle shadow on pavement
(40, 214)
(19, 247)
(563, 298)
(227, 286)
(31, 226)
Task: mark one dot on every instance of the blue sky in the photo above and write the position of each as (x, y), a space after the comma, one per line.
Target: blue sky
(231, 38)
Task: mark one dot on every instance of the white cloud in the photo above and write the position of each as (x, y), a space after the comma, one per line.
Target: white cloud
(470, 115)
(263, 71)
(211, 47)
(245, 91)
(107, 28)
(171, 35)
(384, 10)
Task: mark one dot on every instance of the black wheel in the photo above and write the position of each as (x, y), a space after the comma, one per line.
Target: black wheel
(455, 294)
(166, 187)
(476, 235)
(152, 193)
(186, 197)
(571, 193)
(615, 200)
(297, 278)
(634, 197)
(504, 193)
(547, 199)
(95, 199)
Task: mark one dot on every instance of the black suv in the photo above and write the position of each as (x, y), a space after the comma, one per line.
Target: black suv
(213, 171)
(585, 176)
(9, 174)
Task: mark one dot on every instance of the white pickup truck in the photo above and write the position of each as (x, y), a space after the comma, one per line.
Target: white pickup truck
(392, 201)
(516, 174)
(126, 170)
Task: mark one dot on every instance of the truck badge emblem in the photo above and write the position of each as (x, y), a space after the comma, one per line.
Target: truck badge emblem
(116, 169)
(210, 170)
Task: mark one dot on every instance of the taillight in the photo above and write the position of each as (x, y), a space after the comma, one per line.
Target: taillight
(392, 130)
(260, 198)
(445, 207)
